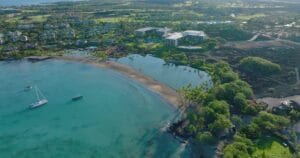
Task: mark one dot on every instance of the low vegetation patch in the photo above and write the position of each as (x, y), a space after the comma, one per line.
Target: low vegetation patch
(271, 147)
(259, 66)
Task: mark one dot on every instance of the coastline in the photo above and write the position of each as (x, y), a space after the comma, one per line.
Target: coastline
(166, 92)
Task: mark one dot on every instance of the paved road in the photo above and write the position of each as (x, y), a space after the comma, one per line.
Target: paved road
(254, 37)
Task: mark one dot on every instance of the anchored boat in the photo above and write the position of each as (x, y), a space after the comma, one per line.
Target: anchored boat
(41, 99)
(78, 97)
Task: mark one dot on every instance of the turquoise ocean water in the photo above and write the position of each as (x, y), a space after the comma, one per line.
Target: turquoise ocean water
(117, 117)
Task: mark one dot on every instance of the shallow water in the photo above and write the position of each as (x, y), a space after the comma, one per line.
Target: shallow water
(117, 117)
(169, 74)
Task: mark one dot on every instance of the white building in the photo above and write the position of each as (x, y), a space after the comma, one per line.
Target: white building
(173, 38)
(163, 31)
(189, 36)
(153, 31)
(194, 33)
(144, 31)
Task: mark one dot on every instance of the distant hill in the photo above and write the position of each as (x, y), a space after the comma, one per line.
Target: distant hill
(283, 1)
(162, 1)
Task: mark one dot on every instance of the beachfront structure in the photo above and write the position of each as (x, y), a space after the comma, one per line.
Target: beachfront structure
(192, 34)
(189, 37)
(163, 31)
(192, 37)
(173, 38)
(152, 31)
(144, 31)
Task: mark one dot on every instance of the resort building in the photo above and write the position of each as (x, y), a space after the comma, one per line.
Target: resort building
(163, 31)
(197, 35)
(173, 38)
(189, 37)
(144, 31)
(152, 31)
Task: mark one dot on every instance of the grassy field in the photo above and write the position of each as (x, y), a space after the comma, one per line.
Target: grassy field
(30, 19)
(248, 17)
(39, 18)
(270, 147)
(112, 19)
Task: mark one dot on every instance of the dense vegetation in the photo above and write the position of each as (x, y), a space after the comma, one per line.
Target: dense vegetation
(259, 66)
(214, 108)
(226, 112)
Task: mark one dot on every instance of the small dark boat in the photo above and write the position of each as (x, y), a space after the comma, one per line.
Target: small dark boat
(28, 88)
(78, 97)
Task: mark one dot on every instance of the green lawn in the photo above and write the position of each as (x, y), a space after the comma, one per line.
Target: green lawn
(248, 17)
(270, 147)
(112, 19)
(35, 18)
(39, 18)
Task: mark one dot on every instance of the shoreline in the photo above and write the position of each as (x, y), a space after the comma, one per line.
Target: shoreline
(174, 98)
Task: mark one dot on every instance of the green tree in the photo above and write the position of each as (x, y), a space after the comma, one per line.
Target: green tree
(220, 125)
(229, 76)
(259, 66)
(236, 121)
(240, 148)
(228, 91)
(270, 121)
(240, 101)
(206, 137)
(252, 131)
(220, 107)
(209, 115)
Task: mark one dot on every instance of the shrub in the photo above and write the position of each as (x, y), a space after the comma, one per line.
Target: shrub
(259, 66)
(206, 137)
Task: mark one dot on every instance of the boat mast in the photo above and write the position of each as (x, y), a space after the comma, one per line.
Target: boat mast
(36, 92)
(41, 94)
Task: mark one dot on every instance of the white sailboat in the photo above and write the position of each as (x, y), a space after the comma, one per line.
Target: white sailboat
(41, 99)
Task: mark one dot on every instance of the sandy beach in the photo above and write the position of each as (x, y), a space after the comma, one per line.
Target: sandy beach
(168, 93)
